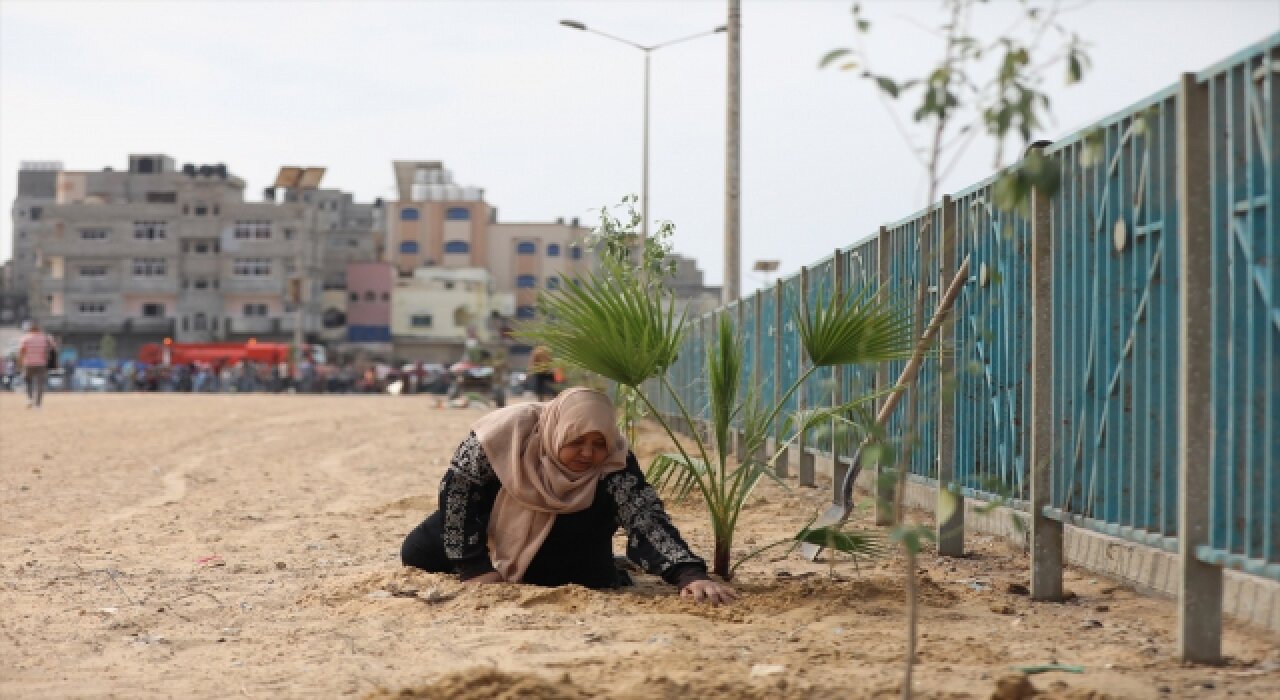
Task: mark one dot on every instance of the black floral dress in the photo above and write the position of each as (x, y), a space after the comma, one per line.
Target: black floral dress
(579, 548)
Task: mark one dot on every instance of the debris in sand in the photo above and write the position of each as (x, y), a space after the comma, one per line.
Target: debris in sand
(1015, 686)
(487, 684)
(1017, 589)
(762, 670)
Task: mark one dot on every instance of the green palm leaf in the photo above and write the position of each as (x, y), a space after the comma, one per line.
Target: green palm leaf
(849, 329)
(611, 325)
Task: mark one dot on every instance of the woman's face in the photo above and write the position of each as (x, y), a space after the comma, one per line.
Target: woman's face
(584, 452)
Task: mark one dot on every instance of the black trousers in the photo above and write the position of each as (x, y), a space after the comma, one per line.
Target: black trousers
(578, 550)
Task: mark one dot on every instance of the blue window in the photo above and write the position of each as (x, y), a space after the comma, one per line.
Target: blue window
(457, 247)
(553, 250)
(527, 282)
(409, 247)
(525, 312)
(553, 283)
(575, 252)
(458, 214)
(526, 248)
(409, 214)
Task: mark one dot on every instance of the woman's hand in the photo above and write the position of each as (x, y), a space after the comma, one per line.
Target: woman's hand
(491, 577)
(712, 592)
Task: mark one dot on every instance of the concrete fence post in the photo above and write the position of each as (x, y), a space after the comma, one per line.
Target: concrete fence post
(739, 441)
(950, 506)
(882, 486)
(838, 395)
(1200, 595)
(1046, 533)
(806, 456)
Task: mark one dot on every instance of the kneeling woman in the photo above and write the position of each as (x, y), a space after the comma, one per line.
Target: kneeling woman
(543, 487)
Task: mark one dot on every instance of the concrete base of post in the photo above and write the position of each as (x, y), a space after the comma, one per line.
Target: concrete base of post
(1200, 611)
(1046, 558)
(808, 471)
(950, 522)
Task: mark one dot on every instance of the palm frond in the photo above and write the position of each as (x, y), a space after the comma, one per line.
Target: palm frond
(609, 324)
(849, 329)
(864, 543)
(724, 372)
(669, 473)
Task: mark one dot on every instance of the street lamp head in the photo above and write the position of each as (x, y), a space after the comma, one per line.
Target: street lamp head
(721, 28)
(573, 24)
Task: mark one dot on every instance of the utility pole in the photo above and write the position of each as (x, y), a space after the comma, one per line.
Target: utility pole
(732, 199)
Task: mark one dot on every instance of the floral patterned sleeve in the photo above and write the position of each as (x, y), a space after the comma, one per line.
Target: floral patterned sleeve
(653, 541)
(467, 492)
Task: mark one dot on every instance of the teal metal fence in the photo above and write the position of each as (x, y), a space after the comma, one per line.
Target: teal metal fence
(1244, 121)
(1114, 369)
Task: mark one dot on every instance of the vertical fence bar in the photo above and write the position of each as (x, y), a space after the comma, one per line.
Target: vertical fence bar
(882, 487)
(1046, 533)
(781, 466)
(758, 341)
(950, 506)
(1200, 598)
(807, 471)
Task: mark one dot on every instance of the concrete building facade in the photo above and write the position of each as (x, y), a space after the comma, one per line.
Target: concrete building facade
(158, 252)
(435, 311)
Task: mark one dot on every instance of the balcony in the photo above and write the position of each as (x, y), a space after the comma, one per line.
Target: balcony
(83, 285)
(252, 285)
(149, 285)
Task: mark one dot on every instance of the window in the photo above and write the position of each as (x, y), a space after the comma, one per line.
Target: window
(150, 230)
(93, 307)
(457, 247)
(251, 267)
(149, 267)
(409, 248)
(200, 322)
(258, 229)
(153, 310)
(354, 296)
(553, 250)
(162, 197)
(93, 271)
(575, 252)
(449, 284)
(409, 214)
(525, 312)
(420, 320)
(386, 296)
(370, 296)
(258, 310)
(526, 248)
(202, 247)
(458, 214)
(201, 283)
(289, 233)
(553, 283)
(526, 282)
(36, 212)
(202, 209)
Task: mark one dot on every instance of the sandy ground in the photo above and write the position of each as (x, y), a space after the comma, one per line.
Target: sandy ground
(233, 546)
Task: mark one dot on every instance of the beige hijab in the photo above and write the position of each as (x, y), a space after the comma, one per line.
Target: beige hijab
(522, 443)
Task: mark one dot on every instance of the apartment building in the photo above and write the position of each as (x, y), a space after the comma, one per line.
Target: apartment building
(436, 310)
(158, 252)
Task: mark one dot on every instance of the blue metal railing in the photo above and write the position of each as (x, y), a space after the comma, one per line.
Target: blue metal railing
(1113, 234)
(1115, 310)
(990, 391)
(1244, 120)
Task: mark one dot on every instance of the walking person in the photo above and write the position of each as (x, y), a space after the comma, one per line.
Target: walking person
(36, 352)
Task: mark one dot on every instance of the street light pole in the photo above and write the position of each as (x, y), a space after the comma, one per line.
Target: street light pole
(732, 170)
(648, 52)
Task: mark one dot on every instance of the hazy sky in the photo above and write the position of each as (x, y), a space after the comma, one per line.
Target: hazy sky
(546, 119)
